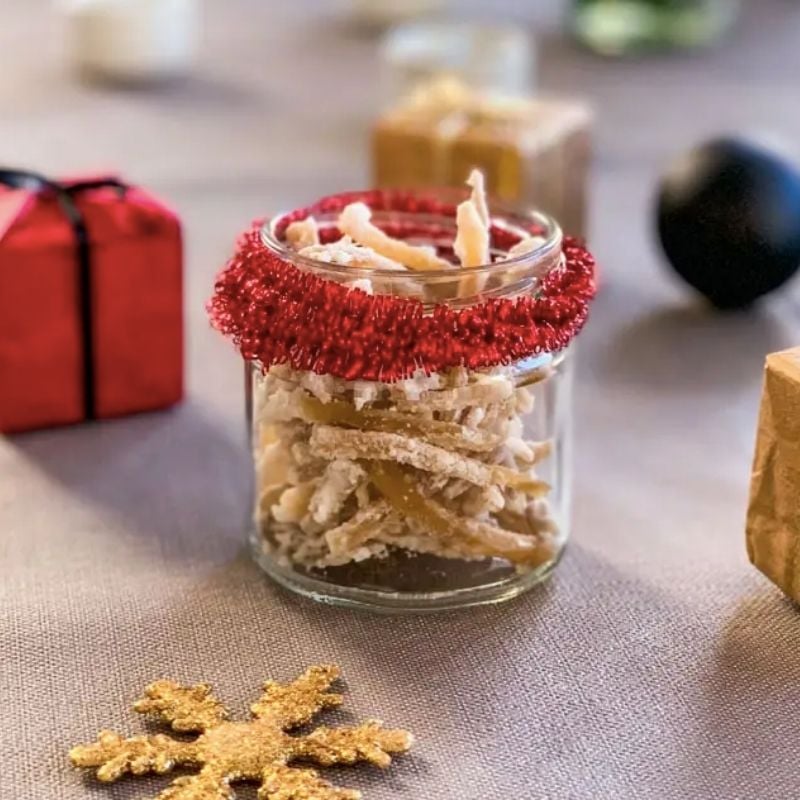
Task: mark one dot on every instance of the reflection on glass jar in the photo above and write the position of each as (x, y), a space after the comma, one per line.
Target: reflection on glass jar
(420, 489)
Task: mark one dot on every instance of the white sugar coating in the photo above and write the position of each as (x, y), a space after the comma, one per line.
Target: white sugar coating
(340, 479)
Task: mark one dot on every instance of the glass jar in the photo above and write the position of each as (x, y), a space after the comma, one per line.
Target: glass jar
(494, 59)
(417, 489)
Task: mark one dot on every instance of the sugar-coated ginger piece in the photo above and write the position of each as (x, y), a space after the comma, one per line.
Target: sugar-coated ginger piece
(297, 404)
(472, 241)
(438, 432)
(471, 244)
(477, 183)
(340, 479)
(488, 391)
(293, 503)
(303, 233)
(352, 533)
(483, 538)
(355, 222)
(348, 253)
(330, 443)
(273, 463)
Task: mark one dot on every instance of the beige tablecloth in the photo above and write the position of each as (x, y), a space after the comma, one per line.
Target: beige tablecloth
(657, 663)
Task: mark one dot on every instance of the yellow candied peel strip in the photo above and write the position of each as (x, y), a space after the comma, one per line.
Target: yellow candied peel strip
(330, 442)
(483, 538)
(355, 222)
(438, 432)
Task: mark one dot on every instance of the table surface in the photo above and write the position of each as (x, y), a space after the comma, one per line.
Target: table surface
(657, 663)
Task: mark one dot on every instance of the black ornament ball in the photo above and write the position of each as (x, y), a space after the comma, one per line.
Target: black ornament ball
(729, 220)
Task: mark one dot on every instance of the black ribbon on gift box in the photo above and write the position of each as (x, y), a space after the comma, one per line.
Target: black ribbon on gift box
(65, 194)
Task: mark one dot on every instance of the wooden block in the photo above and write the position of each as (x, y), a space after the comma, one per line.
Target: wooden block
(773, 515)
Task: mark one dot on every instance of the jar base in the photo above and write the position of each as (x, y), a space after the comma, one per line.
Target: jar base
(398, 602)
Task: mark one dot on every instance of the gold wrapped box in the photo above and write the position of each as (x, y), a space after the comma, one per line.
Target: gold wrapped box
(773, 515)
(532, 151)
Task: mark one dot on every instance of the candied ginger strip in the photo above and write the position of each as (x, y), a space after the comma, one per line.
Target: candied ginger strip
(344, 538)
(487, 392)
(339, 481)
(293, 503)
(303, 233)
(526, 524)
(348, 253)
(400, 531)
(355, 222)
(438, 432)
(472, 240)
(478, 196)
(483, 538)
(330, 442)
(298, 404)
(471, 244)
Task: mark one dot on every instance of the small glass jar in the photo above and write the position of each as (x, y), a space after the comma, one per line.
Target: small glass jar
(436, 489)
(495, 59)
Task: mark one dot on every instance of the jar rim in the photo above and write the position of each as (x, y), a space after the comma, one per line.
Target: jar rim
(503, 216)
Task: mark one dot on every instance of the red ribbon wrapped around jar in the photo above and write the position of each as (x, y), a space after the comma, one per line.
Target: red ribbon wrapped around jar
(91, 321)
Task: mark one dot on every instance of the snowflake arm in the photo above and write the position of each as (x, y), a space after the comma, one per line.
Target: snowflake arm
(185, 708)
(368, 742)
(296, 703)
(115, 756)
(209, 784)
(280, 782)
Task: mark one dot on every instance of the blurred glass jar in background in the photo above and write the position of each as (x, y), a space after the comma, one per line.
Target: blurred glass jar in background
(494, 59)
(617, 27)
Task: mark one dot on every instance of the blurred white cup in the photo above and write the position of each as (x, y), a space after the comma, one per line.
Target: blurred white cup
(132, 40)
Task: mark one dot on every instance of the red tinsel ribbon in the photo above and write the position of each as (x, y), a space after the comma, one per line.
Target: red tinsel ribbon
(277, 314)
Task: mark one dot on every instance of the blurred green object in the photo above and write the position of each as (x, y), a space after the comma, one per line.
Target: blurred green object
(618, 27)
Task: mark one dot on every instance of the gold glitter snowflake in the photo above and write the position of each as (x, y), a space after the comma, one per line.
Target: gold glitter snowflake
(259, 750)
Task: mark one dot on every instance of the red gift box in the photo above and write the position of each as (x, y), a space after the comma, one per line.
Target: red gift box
(91, 308)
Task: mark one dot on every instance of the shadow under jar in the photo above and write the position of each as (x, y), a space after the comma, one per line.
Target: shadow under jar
(410, 430)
